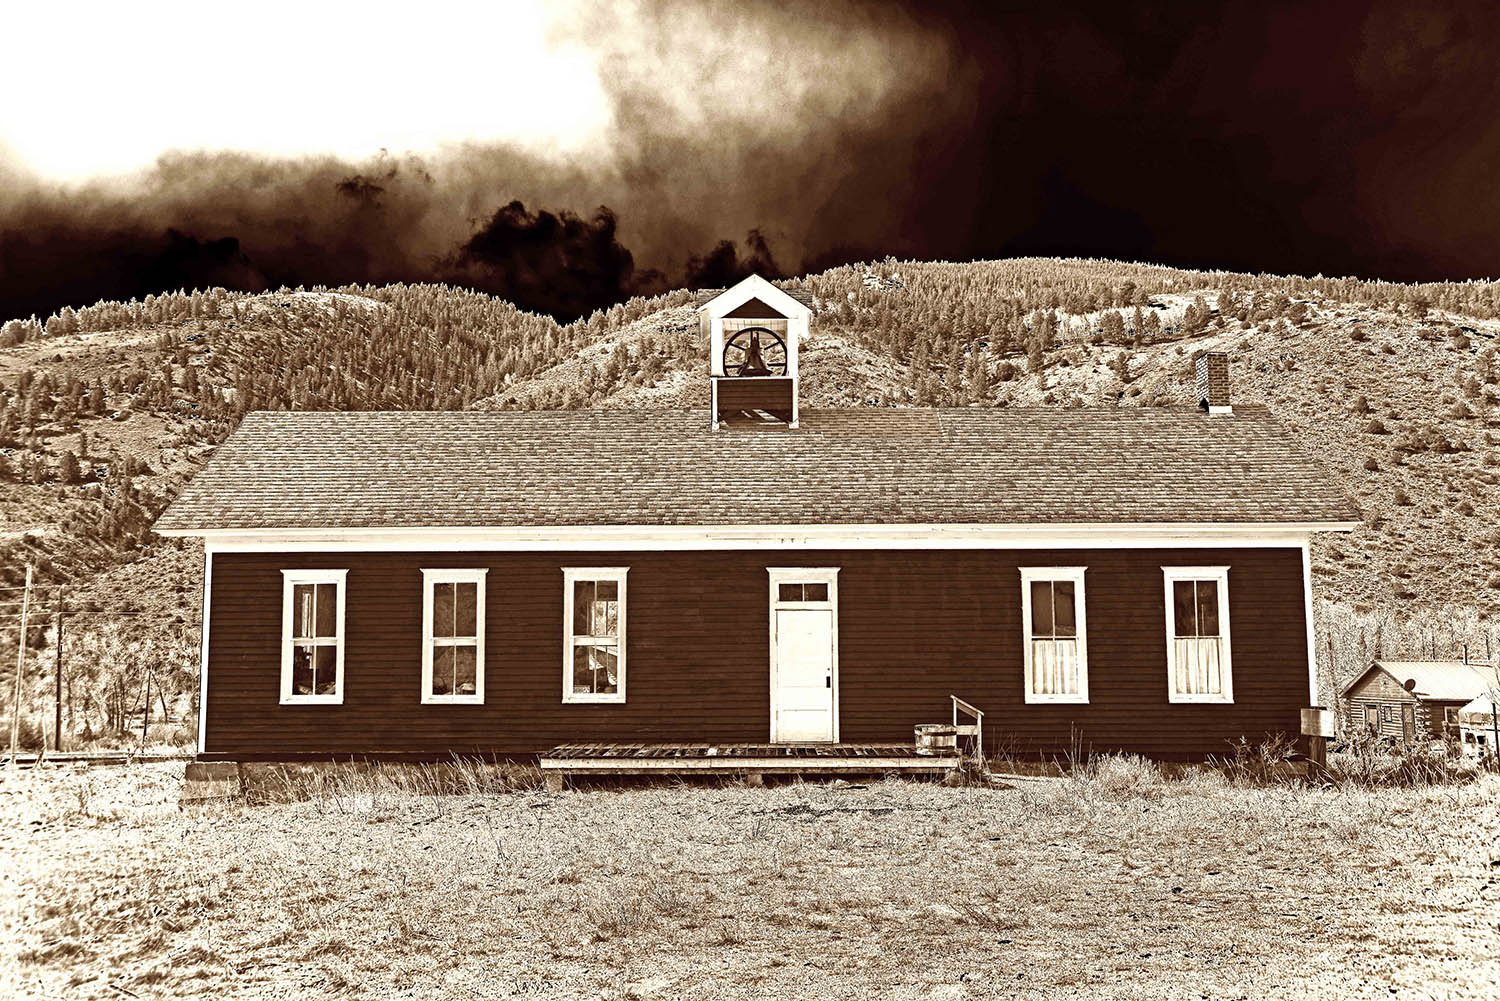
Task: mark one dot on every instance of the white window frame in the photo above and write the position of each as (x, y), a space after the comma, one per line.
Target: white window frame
(804, 575)
(1220, 575)
(447, 575)
(289, 581)
(571, 642)
(1074, 575)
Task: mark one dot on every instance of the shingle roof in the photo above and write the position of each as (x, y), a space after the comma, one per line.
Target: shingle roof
(709, 294)
(1443, 680)
(847, 467)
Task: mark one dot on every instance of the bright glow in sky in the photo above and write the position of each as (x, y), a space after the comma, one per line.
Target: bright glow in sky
(102, 88)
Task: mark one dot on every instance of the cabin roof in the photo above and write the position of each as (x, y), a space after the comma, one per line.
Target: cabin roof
(1008, 466)
(1433, 680)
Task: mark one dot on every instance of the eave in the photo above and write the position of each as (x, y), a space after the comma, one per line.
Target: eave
(727, 537)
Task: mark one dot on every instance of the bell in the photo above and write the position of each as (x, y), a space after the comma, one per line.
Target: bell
(754, 363)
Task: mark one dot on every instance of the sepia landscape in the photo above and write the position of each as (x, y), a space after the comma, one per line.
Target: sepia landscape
(923, 384)
(108, 409)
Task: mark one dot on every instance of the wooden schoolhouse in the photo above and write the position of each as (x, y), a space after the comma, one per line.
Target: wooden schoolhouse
(757, 573)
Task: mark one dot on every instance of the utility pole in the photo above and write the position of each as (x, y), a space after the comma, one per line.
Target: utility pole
(57, 700)
(15, 710)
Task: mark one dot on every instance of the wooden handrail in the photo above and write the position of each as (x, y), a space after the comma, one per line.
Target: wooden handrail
(976, 730)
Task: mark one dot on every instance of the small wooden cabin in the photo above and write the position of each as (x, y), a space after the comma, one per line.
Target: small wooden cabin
(423, 584)
(1412, 700)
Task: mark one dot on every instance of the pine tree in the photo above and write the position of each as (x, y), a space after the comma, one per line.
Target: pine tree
(1112, 326)
(1153, 326)
(1035, 358)
(67, 468)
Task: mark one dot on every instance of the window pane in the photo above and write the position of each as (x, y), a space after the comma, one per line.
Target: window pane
(302, 669)
(442, 670)
(1064, 619)
(302, 610)
(583, 604)
(789, 592)
(464, 673)
(442, 609)
(1182, 608)
(327, 670)
(1208, 608)
(1041, 608)
(814, 592)
(595, 669)
(327, 610)
(604, 620)
(467, 598)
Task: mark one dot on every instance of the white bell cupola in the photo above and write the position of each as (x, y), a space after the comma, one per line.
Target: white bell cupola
(753, 332)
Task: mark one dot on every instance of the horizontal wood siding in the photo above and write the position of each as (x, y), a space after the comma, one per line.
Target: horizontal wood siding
(1383, 692)
(914, 627)
(755, 394)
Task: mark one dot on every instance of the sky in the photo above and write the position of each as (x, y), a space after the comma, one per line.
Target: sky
(568, 155)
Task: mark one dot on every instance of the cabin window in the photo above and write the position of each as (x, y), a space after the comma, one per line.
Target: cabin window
(1055, 650)
(1198, 661)
(594, 634)
(453, 636)
(312, 636)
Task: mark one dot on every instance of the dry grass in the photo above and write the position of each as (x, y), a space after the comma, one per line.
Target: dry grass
(1113, 882)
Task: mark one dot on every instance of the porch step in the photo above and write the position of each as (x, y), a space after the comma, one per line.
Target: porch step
(754, 761)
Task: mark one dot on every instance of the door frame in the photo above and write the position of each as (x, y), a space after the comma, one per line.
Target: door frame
(809, 575)
(1409, 723)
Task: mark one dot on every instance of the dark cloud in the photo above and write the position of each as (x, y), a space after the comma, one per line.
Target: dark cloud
(1337, 138)
(548, 262)
(724, 266)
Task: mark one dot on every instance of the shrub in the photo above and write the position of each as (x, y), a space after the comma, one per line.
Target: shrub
(1372, 464)
(1402, 497)
(1376, 426)
(1372, 761)
(1259, 764)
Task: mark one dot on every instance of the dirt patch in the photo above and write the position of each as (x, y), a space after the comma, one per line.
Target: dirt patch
(895, 890)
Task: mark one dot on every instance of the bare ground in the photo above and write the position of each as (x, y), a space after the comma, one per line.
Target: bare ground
(1119, 885)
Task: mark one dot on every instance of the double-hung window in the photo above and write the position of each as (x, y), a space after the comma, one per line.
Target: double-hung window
(1198, 661)
(1055, 645)
(312, 636)
(453, 636)
(594, 634)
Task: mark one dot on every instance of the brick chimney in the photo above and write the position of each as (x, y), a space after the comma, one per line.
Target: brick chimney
(1213, 381)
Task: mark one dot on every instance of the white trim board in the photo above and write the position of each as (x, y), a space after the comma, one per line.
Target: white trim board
(804, 575)
(1312, 641)
(571, 641)
(1220, 576)
(451, 575)
(1030, 575)
(208, 577)
(652, 538)
(289, 581)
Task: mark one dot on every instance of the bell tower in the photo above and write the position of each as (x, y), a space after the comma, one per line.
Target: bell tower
(753, 331)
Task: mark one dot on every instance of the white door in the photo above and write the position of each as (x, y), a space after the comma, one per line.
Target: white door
(804, 661)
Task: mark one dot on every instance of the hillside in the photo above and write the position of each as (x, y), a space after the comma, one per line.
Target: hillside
(105, 411)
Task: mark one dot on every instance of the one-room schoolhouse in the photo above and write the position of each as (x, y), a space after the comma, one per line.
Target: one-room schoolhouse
(757, 571)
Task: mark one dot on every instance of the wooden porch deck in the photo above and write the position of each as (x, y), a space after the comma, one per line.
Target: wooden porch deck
(753, 761)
